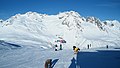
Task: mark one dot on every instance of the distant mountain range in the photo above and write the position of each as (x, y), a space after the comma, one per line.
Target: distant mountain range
(42, 30)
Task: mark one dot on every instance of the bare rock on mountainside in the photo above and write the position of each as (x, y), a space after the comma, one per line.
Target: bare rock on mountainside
(42, 29)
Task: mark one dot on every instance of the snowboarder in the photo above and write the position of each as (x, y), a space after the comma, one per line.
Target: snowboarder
(56, 47)
(60, 46)
(48, 63)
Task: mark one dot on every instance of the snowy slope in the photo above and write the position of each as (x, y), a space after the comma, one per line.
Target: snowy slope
(25, 29)
(27, 57)
(31, 57)
(27, 40)
(41, 30)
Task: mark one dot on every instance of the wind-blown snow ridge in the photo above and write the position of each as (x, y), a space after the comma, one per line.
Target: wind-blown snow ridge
(41, 30)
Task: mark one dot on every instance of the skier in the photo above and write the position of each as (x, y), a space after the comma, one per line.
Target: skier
(76, 49)
(88, 46)
(106, 46)
(48, 63)
(56, 47)
(60, 46)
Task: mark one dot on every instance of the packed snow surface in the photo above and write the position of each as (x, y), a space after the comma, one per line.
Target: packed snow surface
(32, 57)
(27, 40)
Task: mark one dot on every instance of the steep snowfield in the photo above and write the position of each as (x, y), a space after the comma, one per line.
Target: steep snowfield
(41, 30)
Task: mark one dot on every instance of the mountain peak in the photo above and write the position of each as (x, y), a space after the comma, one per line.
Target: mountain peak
(68, 13)
(71, 19)
(42, 29)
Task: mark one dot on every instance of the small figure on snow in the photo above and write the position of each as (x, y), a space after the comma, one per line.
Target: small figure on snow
(76, 49)
(88, 46)
(106, 46)
(60, 46)
(56, 47)
(48, 63)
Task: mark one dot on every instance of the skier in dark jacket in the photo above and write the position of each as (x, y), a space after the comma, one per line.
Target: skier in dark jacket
(76, 49)
(60, 46)
(56, 47)
(106, 46)
(88, 46)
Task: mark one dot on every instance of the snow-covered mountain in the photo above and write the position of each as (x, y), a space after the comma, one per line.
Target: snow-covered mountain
(41, 30)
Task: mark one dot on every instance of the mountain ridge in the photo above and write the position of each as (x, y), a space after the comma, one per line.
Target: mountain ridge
(43, 29)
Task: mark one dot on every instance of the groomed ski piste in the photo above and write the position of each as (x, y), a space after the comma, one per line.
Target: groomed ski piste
(31, 57)
(28, 40)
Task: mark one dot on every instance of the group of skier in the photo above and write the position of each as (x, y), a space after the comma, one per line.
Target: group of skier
(88, 46)
(48, 62)
(59, 44)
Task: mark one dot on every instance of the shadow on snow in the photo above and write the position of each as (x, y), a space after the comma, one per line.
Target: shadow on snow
(11, 45)
(54, 62)
(73, 63)
(100, 59)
